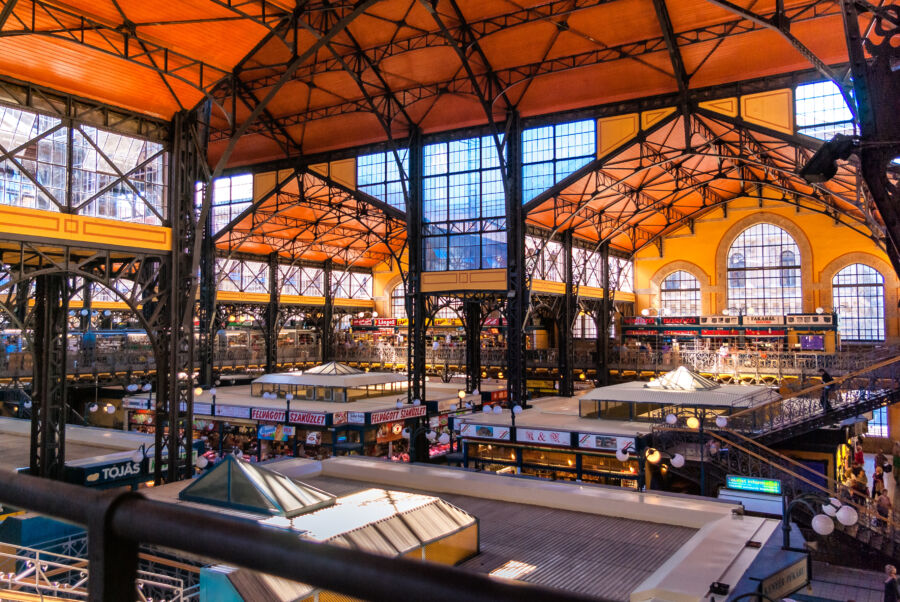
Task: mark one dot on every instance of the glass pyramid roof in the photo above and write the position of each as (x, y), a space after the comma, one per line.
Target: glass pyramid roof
(250, 487)
(682, 379)
(333, 368)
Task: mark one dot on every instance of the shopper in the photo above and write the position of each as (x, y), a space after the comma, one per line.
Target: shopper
(896, 463)
(877, 482)
(891, 589)
(827, 379)
(859, 457)
(883, 506)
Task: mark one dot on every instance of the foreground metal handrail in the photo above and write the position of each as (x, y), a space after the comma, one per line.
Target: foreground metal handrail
(117, 523)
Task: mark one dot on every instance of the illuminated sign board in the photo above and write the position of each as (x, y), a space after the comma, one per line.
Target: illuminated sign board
(754, 484)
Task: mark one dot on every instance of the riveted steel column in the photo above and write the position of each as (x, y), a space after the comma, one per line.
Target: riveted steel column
(603, 322)
(516, 275)
(327, 319)
(49, 409)
(415, 298)
(564, 324)
(272, 315)
(207, 307)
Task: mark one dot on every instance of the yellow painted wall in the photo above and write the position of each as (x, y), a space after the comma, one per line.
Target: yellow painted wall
(828, 245)
(384, 278)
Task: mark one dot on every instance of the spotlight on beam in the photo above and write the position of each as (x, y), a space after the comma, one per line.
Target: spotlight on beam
(823, 165)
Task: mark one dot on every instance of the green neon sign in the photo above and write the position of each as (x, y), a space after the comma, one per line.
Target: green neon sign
(757, 485)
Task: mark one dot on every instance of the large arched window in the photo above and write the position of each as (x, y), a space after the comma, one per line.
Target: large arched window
(679, 294)
(858, 294)
(398, 301)
(764, 272)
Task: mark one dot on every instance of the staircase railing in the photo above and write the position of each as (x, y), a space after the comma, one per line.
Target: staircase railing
(851, 394)
(740, 455)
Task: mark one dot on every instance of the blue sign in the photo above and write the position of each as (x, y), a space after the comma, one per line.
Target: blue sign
(754, 484)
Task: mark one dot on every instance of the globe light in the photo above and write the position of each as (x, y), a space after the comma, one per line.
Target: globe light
(198, 391)
(486, 409)
(202, 462)
(671, 418)
(107, 313)
(110, 408)
(582, 376)
(84, 312)
(27, 404)
(92, 408)
(138, 456)
(621, 455)
(444, 439)
(417, 402)
(497, 409)
(461, 394)
(847, 515)
(212, 391)
(475, 392)
(182, 375)
(653, 456)
(500, 374)
(721, 421)
(132, 387)
(693, 422)
(677, 460)
(645, 312)
(453, 407)
(289, 396)
(829, 509)
(517, 409)
(405, 433)
(146, 387)
(820, 310)
(431, 435)
(823, 525)
(374, 314)
(399, 404)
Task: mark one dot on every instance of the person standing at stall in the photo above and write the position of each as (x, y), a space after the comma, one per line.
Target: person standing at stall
(827, 379)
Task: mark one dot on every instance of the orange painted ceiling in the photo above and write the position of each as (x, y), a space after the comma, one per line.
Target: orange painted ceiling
(356, 71)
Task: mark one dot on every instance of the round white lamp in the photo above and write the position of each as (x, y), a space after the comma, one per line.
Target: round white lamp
(721, 421)
(847, 515)
(671, 418)
(417, 402)
(517, 410)
(497, 409)
(677, 460)
(693, 422)
(486, 409)
(444, 439)
(621, 455)
(823, 525)
(653, 455)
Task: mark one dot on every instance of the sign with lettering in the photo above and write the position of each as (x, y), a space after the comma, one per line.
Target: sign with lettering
(541, 436)
(313, 418)
(383, 322)
(610, 442)
(232, 411)
(267, 414)
(117, 471)
(339, 418)
(765, 332)
(361, 322)
(275, 432)
(718, 319)
(681, 320)
(763, 319)
(204, 409)
(398, 414)
(754, 484)
(786, 581)
(484, 432)
(501, 395)
(356, 417)
(678, 333)
(136, 403)
(638, 320)
(719, 332)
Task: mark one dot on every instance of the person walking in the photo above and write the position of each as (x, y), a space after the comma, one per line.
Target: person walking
(891, 588)
(883, 507)
(877, 482)
(827, 379)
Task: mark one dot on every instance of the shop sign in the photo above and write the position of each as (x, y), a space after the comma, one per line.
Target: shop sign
(312, 418)
(398, 414)
(768, 332)
(267, 414)
(385, 322)
(314, 438)
(541, 436)
(232, 411)
(361, 322)
(100, 475)
(274, 432)
(539, 384)
(389, 431)
(786, 581)
(594, 441)
(356, 417)
(678, 333)
(339, 418)
(638, 333)
(681, 320)
(203, 408)
(763, 319)
(719, 332)
(754, 484)
(494, 322)
(718, 319)
(638, 320)
(501, 395)
(484, 432)
(135, 403)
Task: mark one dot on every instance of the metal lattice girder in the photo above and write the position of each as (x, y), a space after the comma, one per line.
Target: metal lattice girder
(49, 410)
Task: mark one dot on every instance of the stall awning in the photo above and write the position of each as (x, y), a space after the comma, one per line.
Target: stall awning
(332, 374)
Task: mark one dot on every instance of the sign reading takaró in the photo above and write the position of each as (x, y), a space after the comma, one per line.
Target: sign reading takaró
(398, 414)
(267, 414)
(298, 417)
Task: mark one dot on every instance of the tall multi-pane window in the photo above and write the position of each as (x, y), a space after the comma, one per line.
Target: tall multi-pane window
(304, 281)
(398, 301)
(585, 327)
(379, 175)
(351, 285)
(546, 259)
(463, 206)
(821, 111)
(858, 294)
(878, 425)
(552, 152)
(764, 272)
(679, 294)
(231, 196)
(242, 276)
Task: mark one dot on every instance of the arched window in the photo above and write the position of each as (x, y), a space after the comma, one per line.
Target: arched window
(764, 272)
(679, 294)
(858, 293)
(398, 301)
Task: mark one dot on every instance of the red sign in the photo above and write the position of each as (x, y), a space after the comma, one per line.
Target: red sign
(682, 320)
(307, 418)
(494, 322)
(638, 333)
(768, 332)
(720, 332)
(678, 333)
(361, 322)
(398, 414)
(501, 395)
(636, 320)
(380, 322)
(267, 414)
